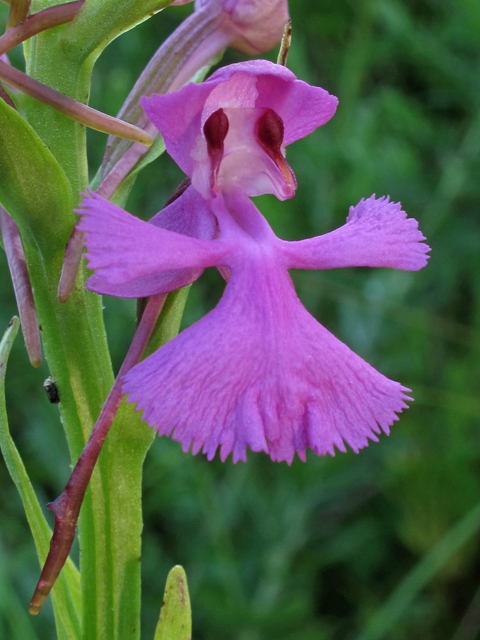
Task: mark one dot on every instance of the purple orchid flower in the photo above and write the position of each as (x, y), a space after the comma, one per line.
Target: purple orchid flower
(258, 370)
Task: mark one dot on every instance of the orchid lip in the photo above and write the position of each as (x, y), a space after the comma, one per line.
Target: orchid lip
(319, 394)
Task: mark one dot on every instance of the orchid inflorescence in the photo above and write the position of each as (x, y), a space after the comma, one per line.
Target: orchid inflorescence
(258, 371)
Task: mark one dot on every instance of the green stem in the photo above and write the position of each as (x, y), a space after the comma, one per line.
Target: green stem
(130, 440)
(73, 334)
(70, 348)
(67, 506)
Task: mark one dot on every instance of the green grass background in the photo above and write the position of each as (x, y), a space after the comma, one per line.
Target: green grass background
(383, 544)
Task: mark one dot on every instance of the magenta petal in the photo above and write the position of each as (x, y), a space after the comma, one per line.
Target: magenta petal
(377, 234)
(123, 249)
(260, 371)
(189, 215)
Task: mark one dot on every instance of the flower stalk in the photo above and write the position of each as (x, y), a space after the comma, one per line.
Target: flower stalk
(70, 265)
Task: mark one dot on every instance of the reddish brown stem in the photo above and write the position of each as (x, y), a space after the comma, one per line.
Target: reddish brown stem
(67, 506)
(70, 107)
(71, 264)
(46, 19)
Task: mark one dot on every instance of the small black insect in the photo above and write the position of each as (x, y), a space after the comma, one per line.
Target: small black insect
(51, 388)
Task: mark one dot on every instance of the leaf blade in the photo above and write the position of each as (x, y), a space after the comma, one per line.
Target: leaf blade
(33, 187)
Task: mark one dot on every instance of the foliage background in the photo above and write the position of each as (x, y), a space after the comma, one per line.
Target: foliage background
(314, 551)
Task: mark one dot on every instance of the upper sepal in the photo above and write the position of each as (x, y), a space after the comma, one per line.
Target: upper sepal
(180, 116)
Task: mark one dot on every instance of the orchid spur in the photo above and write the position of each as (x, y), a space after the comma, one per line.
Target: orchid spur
(258, 370)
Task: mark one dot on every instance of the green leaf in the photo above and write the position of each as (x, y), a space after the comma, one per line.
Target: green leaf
(154, 152)
(33, 187)
(129, 440)
(66, 593)
(175, 621)
(401, 599)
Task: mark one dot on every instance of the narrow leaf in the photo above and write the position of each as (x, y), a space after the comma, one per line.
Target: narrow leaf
(175, 621)
(66, 595)
(33, 187)
(12, 612)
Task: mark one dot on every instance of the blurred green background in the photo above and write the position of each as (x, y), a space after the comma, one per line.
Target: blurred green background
(384, 544)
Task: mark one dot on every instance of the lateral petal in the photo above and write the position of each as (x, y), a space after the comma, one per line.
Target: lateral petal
(377, 234)
(189, 215)
(123, 249)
